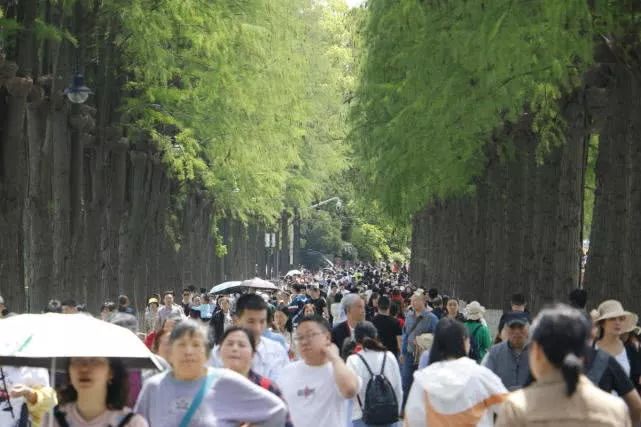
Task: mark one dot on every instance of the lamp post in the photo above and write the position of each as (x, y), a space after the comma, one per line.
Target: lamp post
(339, 203)
(78, 93)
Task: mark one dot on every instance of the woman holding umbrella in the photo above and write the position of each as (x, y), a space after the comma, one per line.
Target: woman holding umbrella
(95, 396)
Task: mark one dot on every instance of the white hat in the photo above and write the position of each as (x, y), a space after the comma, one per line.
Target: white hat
(474, 310)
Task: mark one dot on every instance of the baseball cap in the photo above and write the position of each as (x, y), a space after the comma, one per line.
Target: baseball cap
(517, 318)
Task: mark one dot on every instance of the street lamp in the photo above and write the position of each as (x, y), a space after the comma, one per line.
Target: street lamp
(78, 93)
(339, 203)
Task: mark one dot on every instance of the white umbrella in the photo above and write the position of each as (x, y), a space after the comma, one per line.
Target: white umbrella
(225, 286)
(293, 273)
(44, 340)
(257, 283)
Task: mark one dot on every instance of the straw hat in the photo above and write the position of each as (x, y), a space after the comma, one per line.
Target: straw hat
(612, 308)
(474, 310)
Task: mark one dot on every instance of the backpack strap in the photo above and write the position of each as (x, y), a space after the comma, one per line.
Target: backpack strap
(60, 417)
(125, 419)
(366, 365)
(383, 365)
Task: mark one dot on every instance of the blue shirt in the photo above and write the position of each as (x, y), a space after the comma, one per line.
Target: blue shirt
(276, 337)
(427, 325)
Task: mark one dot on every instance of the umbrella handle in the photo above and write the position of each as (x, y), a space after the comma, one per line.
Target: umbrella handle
(52, 384)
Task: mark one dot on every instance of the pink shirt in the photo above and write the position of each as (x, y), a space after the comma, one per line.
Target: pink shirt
(108, 418)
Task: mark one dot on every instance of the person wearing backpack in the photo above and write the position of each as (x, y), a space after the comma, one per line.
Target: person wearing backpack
(480, 338)
(379, 399)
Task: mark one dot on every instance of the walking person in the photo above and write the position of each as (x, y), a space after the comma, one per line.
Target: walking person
(271, 356)
(191, 394)
(318, 386)
(613, 321)
(354, 309)
(480, 338)
(95, 396)
(509, 359)
(237, 349)
(561, 395)
(419, 321)
(221, 319)
(372, 361)
(452, 310)
(453, 390)
(389, 329)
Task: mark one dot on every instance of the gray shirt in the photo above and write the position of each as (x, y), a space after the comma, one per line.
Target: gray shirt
(427, 323)
(232, 399)
(511, 366)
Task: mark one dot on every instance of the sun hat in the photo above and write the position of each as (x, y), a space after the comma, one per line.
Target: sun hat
(474, 310)
(611, 308)
(152, 300)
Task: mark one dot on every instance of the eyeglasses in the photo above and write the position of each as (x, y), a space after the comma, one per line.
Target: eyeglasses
(308, 337)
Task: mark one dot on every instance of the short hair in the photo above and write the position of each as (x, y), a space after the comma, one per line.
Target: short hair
(432, 293)
(117, 387)
(164, 294)
(69, 302)
(578, 298)
(320, 321)
(189, 327)
(123, 300)
(250, 302)
(349, 300)
(247, 332)
(518, 299)
(384, 303)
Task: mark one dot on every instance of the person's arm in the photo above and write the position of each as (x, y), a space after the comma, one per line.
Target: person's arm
(510, 416)
(396, 379)
(347, 381)
(39, 399)
(633, 401)
(237, 400)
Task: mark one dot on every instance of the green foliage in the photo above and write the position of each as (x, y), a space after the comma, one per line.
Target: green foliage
(589, 185)
(243, 97)
(437, 78)
(322, 232)
(371, 243)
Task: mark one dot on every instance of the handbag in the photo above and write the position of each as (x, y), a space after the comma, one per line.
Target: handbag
(198, 399)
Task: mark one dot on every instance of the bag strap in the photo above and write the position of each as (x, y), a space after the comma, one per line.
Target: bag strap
(366, 365)
(197, 399)
(60, 417)
(126, 419)
(415, 325)
(383, 366)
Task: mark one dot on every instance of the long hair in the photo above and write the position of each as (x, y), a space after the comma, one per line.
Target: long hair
(561, 332)
(449, 340)
(366, 335)
(117, 388)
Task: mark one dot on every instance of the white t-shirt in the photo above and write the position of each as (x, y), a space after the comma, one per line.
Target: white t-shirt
(375, 361)
(312, 395)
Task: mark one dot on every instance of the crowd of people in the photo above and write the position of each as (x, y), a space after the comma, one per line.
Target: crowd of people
(353, 347)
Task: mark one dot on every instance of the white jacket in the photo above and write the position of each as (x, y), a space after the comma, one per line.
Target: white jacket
(454, 392)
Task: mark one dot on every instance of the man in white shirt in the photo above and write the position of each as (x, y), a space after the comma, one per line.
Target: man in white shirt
(271, 356)
(318, 387)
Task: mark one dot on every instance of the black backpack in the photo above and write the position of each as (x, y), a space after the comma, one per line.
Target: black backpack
(381, 405)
